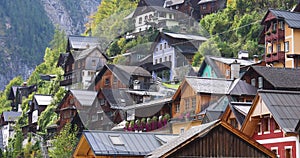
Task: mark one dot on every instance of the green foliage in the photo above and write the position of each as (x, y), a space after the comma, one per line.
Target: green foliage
(17, 143)
(65, 142)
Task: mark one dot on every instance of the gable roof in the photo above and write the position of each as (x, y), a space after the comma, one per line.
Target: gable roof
(291, 18)
(117, 98)
(84, 97)
(11, 116)
(43, 99)
(206, 1)
(209, 85)
(81, 42)
(169, 3)
(62, 59)
(124, 143)
(13, 93)
(240, 110)
(240, 88)
(123, 72)
(83, 54)
(201, 131)
(279, 78)
(284, 107)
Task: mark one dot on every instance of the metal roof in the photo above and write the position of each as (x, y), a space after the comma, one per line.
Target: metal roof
(85, 98)
(43, 99)
(229, 61)
(117, 98)
(82, 42)
(209, 85)
(291, 18)
(169, 3)
(206, 1)
(240, 87)
(284, 107)
(280, 78)
(186, 36)
(83, 54)
(124, 143)
(181, 139)
(240, 110)
(10, 116)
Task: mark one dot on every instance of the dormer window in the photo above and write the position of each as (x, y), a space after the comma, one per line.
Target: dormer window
(274, 26)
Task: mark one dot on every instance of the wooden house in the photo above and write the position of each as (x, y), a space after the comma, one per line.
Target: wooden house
(272, 121)
(188, 7)
(211, 6)
(17, 93)
(36, 106)
(280, 34)
(172, 52)
(104, 144)
(7, 123)
(122, 76)
(220, 67)
(215, 139)
(75, 108)
(273, 78)
(80, 67)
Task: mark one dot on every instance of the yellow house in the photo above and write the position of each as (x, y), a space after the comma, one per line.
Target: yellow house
(281, 36)
(108, 144)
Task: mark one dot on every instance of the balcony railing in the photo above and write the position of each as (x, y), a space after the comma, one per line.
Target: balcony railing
(271, 36)
(276, 56)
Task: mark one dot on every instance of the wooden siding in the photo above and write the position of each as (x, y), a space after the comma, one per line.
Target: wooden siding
(219, 142)
(113, 82)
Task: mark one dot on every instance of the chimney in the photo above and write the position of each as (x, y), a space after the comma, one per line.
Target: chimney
(255, 58)
(234, 70)
(242, 54)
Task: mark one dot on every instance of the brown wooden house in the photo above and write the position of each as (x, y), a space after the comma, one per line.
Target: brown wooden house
(215, 139)
(18, 92)
(75, 108)
(188, 7)
(211, 6)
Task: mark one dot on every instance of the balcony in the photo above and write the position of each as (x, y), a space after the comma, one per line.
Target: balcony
(271, 36)
(275, 57)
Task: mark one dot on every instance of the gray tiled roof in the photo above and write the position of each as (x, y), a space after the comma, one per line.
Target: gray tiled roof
(169, 3)
(281, 78)
(209, 85)
(284, 107)
(229, 61)
(181, 139)
(11, 116)
(240, 110)
(117, 98)
(206, 1)
(240, 87)
(130, 144)
(291, 18)
(86, 98)
(186, 36)
(43, 99)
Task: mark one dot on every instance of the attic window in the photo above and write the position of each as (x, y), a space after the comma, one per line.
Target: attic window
(116, 140)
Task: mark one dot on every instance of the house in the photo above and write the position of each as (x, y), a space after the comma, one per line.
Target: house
(236, 113)
(173, 54)
(242, 91)
(17, 93)
(122, 76)
(273, 78)
(272, 121)
(79, 43)
(214, 139)
(188, 7)
(151, 14)
(100, 144)
(37, 105)
(280, 35)
(221, 67)
(7, 122)
(80, 67)
(76, 107)
(210, 6)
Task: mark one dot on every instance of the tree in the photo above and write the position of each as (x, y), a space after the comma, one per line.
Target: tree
(65, 142)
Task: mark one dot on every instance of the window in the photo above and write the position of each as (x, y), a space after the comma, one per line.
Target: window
(94, 118)
(275, 150)
(234, 123)
(165, 45)
(177, 108)
(177, 6)
(93, 62)
(266, 125)
(253, 82)
(187, 104)
(170, 16)
(160, 60)
(276, 127)
(270, 49)
(278, 47)
(286, 46)
(194, 103)
(274, 26)
(260, 82)
(170, 58)
(204, 7)
(156, 49)
(102, 101)
(288, 152)
(146, 18)
(155, 61)
(166, 58)
(181, 130)
(116, 140)
(281, 25)
(140, 20)
(107, 81)
(258, 128)
(160, 47)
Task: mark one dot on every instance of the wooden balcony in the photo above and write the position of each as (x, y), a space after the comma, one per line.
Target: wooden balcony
(275, 57)
(272, 36)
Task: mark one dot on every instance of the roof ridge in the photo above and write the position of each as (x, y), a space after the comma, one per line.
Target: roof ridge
(278, 91)
(211, 78)
(283, 11)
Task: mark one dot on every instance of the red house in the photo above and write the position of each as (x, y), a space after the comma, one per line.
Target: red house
(272, 121)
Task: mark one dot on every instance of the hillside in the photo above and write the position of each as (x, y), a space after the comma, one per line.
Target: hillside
(27, 27)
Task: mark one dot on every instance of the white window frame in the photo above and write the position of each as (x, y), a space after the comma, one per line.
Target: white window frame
(275, 148)
(269, 127)
(260, 126)
(286, 46)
